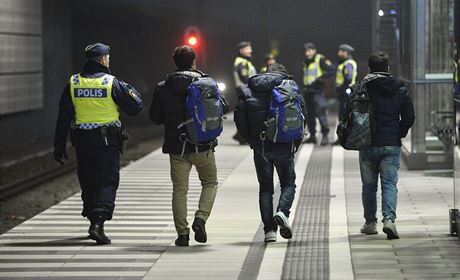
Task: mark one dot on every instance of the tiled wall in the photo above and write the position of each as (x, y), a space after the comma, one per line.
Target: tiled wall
(21, 56)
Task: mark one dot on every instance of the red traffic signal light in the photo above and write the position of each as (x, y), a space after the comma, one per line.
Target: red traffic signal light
(192, 37)
(192, 41)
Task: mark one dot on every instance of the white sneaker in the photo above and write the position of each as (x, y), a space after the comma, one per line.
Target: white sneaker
(390, 229)
(369, 228)
(270, 236)
(283, 222)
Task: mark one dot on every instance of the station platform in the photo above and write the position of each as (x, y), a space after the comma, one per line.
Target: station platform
(326, 219)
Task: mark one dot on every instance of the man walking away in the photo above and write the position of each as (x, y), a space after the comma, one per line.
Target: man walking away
(251, 120)
(393, 115)
(90, 104)
(169, 108)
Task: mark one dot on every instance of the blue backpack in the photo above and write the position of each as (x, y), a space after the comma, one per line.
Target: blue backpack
(286, 121)
(204, 111)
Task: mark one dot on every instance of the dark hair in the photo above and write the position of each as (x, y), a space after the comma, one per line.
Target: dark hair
(277, 67)
(183, 57)
(378, 62)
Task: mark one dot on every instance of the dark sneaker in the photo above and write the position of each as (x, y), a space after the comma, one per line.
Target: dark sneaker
(283, 222)
(311, 140)
(390, 229)
(96, 232)
(325, 140)
(182, 240)
(238, 137)
(200, 230)
(369, 228)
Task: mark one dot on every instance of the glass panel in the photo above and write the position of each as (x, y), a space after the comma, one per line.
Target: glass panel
(405, 38)
(438, 43)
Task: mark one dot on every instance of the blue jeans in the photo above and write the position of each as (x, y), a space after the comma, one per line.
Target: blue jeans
(384, 161)
(284, 164)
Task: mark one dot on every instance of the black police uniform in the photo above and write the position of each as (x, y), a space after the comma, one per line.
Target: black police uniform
(98, 149)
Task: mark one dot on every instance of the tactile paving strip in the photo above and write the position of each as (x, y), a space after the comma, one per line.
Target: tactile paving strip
(307, 255)
(254, 258)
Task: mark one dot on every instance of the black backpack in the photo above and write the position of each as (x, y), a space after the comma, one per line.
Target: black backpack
(356, 128)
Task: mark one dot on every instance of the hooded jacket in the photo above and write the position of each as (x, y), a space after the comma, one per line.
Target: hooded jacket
(393, 108)
(253, 110)
(169, 108)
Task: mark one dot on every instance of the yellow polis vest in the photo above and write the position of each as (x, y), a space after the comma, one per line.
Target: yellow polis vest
(313, 71)
(92, 99)
(251, 70)
(339, 79)
(455, 72)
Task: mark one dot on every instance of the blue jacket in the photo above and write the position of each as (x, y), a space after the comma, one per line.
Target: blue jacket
(253, 110)
(393, 108)
(92, 69)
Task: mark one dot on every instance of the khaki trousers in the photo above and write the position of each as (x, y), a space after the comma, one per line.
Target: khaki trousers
(205, 164)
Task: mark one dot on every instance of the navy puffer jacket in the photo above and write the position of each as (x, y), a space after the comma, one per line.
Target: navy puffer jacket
(253, 110)
(393, 108)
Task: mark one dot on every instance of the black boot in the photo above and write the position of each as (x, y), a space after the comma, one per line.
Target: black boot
(200, 230)
(311, 140)
(325, 140)
(96, 232)
(238, 137)
(182, 240)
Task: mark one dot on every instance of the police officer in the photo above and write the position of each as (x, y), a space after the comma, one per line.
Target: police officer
(456, 86)
(345, 77)
(243, 69)
(269, 60)
(90, 103)
(315, 70)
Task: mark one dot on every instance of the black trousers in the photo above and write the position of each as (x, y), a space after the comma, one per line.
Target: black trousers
(99, 177)
(342, 96)
(316, 108)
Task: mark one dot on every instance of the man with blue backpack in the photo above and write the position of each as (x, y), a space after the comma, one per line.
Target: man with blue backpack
(191, 108)
(271, 115)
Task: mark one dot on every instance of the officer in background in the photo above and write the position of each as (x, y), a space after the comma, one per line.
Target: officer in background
(315, 70)
(345, 77)
(90, 103)
(269, 60)
(456, 87)
(243, 69)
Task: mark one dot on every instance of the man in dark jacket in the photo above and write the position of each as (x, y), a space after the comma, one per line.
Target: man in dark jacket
(250, 116)
(394, 116)
(90, 102)
(169, 108)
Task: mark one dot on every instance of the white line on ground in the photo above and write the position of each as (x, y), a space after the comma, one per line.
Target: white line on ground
(272, 263)
(340, 266)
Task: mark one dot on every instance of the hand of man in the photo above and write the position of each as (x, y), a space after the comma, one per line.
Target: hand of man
(60, 156)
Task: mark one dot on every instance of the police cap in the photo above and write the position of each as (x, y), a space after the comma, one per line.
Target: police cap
(347, 48)
(96, 49)
(269, 56)
(242, 44)
(309, 45)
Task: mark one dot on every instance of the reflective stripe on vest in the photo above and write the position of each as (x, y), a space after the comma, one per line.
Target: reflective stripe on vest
(339, 78)
(251, 70)
(313, 71)
(92, 99)
(455, 72)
